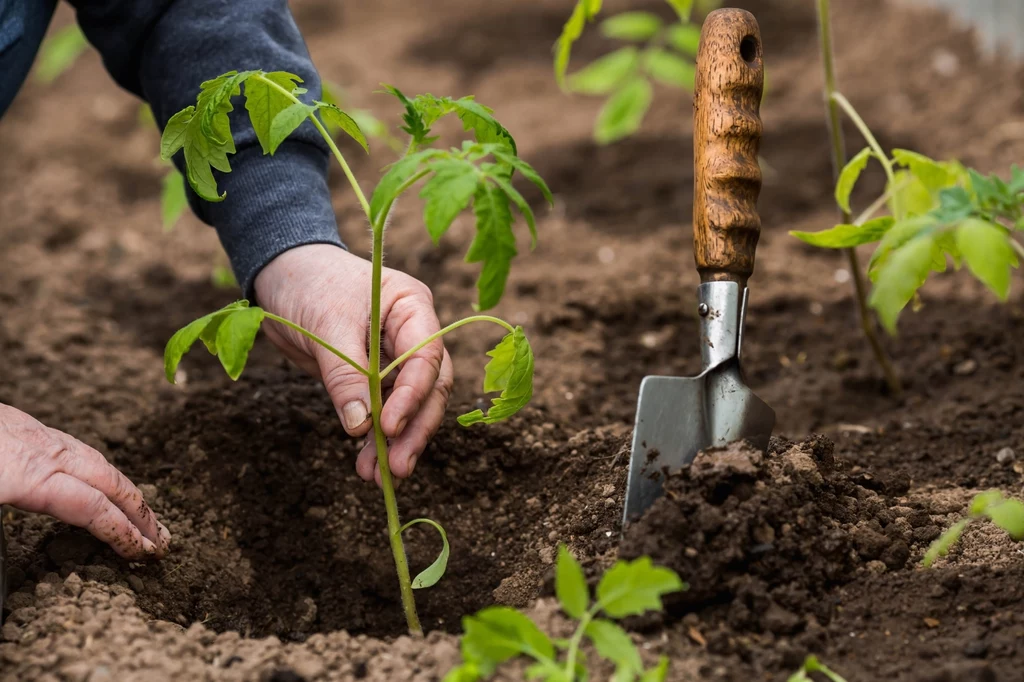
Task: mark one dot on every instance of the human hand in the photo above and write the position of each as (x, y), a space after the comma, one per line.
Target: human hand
(46, 471)
(326, 290)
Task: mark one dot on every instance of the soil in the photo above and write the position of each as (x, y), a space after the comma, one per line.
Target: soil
(278, 570)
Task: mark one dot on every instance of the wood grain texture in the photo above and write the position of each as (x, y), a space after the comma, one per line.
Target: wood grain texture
(726, 139)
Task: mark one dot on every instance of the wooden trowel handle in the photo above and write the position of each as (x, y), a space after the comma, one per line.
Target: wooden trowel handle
(726, 139)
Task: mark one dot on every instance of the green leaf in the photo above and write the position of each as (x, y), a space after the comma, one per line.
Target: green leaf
(636, 26)
(222, 277)
(479, 119)
(624, 111)
(613, 644)
(59, 52)
(900, 277)
(983, 501)
(264, 102)
(630, 588)
(184, 338)
(813, 665)
(570, 584)
(432, 573)
(901, 232)
(285, 123)
(932, 174)
(847, 236)
(849, 176)
(447, 192)
(549, 671)
(986, 250)
(908, 197)
(235, 336)
(415, 126)
(516, 198)
(584, 11)
(603, 75)
(510, 371)
(494, 244)
(214, 103)
(173, 137)
(1008, 515)
(172, 198)
(658, 673)
(528, 172)
(342, 121)
(498, 633)
(945, 542)
(670, 68)
(467, 672)
(684, 37)
(683, 8)
(397, 174)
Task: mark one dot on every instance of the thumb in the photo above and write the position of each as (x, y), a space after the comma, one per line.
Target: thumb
(349, 389)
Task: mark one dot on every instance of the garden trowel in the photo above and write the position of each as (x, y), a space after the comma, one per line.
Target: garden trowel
(677, 417)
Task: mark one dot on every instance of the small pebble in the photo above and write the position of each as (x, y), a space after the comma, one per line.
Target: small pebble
(965, 368)
(1006, 456)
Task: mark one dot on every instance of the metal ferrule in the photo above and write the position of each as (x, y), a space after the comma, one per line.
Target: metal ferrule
(722, 308)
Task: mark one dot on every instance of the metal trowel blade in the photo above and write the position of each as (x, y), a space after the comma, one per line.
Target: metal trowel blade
(677, 417)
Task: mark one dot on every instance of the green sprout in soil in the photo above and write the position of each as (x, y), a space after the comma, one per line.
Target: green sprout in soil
(478, 173)
(813, 665)
(629, 588)
(657, 50)
(937, 212)
(1006, 513)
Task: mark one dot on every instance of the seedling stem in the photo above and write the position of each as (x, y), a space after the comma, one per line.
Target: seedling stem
(834, 100)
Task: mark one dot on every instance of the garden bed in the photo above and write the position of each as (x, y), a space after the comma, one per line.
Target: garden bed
(278, 545)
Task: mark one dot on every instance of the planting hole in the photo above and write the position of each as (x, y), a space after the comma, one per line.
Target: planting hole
(748, 49)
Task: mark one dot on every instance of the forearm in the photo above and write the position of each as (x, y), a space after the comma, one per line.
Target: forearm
(163, 50)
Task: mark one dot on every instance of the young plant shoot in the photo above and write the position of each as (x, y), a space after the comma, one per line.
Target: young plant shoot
(629, 588)
(1006, 513)
(937, 209)
(657, 50)
(811, 666)
(477, 173)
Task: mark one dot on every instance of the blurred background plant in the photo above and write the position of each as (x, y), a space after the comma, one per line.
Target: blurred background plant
(656, 50)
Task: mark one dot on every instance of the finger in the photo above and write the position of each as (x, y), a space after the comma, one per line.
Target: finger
(410, 321)
(89, 466)
(366, 460)
(75, 502)
(406, 449)
(348, 388)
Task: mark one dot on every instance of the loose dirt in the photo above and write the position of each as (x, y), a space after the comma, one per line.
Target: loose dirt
(279, 570)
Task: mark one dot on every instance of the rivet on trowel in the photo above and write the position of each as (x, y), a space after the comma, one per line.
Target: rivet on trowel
(703, 310)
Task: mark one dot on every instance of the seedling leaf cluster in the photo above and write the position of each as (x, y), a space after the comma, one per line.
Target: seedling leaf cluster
(1005, 513)
(477, 174)
(629, 588)
(939, 213)
(812, 665)
(656, 50)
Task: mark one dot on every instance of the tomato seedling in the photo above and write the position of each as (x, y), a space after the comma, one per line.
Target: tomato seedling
(658, 51)
(629, 588)
(477, 173)
(937, 211)
(1006, 513)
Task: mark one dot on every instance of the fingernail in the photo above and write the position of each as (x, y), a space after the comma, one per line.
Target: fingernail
(412, 462)
(147, 546)
(165, 535)
(354, 414)
(400, 427)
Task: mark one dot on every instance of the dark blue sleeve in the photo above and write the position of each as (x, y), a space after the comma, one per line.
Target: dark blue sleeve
(162, 50)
